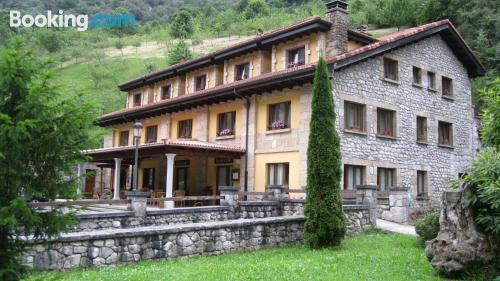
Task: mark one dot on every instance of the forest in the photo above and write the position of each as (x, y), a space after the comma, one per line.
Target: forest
(83, 61)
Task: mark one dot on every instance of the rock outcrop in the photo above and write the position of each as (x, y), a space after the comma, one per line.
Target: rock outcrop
(459, 244)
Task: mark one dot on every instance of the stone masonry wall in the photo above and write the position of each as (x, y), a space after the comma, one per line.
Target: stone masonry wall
(100, 248)
(158, 217)
(104, 247)
(363, 83)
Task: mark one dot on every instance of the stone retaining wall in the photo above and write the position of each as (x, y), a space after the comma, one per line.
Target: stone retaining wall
(157, 217)
(169, 241)
(111, 247)
(259, 209)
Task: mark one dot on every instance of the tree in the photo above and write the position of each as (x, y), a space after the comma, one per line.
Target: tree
(179, 53)
(256, 8)
(490, 133)
(325, 224)
(50, 40)
(181, 25)
(119, 45)
(399, 13)
(41, 136)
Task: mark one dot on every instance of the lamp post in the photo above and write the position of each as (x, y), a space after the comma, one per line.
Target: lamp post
(137, 136)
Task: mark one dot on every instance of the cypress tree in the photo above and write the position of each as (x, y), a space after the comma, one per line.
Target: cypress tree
(324, 224)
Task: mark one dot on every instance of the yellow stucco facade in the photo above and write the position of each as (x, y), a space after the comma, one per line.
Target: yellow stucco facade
(262, 160)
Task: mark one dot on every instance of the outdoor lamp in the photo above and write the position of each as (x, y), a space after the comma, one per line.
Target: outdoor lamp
(138, 129)
(137, 135)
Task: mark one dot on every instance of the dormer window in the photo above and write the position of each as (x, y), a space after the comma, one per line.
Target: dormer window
(241, 71)
(296, 57)
(166, 92)
(200, 82)
(137, 100)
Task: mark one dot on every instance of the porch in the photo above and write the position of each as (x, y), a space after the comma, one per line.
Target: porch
(171, 168)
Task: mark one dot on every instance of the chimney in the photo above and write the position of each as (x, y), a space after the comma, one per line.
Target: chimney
(336, 38)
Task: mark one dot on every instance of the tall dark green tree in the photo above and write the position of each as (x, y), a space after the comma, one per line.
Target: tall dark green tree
(325, 224)
(181, 25)
(41, 136)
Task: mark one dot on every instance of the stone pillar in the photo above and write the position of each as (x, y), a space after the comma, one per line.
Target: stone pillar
(399, 205)
(231, 198)
(336, 38)
(81, 182)
(278, 192)
(116, 194)
(367, 195)
(138, 202)
(169, 180)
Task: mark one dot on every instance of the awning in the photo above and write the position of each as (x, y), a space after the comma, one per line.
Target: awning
(186, 147)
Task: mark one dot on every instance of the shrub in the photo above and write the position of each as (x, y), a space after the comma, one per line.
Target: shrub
(428, 227)
(484, 178)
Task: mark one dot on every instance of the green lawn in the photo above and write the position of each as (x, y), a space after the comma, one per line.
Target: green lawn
(370, 256)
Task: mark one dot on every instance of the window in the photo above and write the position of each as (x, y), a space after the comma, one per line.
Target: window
(386, 122)
(226, 124)
(149, 178)
(185, 128)
(241, 71)
(151, 134)
(277, 174)
(355, 115)
(137, 100)
(386, 178)
(279, 116)
(421, 183)
(447, 87)
(353, 175)
(431, 80)
(296, 57)
(166, 92)
(445, 133)
(417, 76)
(421, 129)
(390, 69)
(200, 82)
(123, 138)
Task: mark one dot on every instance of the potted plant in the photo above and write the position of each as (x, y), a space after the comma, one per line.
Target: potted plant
(161, 204)
(278, 124)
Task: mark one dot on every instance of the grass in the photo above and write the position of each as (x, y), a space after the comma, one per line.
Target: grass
(99, 80)
(369, 256)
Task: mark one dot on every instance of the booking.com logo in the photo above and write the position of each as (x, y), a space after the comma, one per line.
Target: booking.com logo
(80, 22)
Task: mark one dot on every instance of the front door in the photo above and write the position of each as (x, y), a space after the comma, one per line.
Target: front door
(89, 182)
(223, 176)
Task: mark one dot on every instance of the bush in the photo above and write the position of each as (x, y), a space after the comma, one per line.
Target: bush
(484, 179)
(428, 227)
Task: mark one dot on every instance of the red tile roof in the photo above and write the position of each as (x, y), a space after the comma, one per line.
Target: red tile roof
(182, 143)
(382, 45)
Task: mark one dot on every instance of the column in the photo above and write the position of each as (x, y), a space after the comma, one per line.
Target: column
(116, 194)
(169, 182)
(80, 176)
